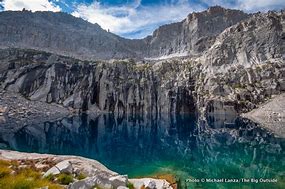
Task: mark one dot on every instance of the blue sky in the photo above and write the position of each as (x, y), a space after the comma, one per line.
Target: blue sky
(136, 18)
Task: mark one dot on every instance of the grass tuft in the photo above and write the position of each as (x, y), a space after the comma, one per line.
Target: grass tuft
(64, 178)
(22, 178)
(4, 171)
(130, 185)
(81, 176)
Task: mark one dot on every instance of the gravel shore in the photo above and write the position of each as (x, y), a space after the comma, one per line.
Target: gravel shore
(16, 111)
(270, 115)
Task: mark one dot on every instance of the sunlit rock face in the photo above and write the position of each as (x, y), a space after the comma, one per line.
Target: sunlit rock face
(67, 35)
(124, 87)
(193, 35)
(256, 40)
(141, 114)
(60, 33)
(238, 64)
(120, 87)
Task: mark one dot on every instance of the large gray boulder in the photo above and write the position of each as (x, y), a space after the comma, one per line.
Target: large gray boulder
(150, 183)
(119, 180)
(91, 182)
(62, 167)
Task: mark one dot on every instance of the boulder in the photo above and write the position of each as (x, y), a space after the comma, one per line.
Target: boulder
(69, 101)
(81, 184)
(120, 180)
(91, 182)
(52, 171)
(122, 187)
(62, 167)
(3, 110)
(150, 183)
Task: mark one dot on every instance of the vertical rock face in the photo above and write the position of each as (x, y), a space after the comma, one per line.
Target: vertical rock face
(259, 39)
(239, 67)
(64, 34)
(121, 87)
(194, 34)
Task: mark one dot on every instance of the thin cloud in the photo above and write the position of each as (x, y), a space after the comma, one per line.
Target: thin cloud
(134, 19)
(260, 5)
(33, 5)
(130, 18)
(248, 5)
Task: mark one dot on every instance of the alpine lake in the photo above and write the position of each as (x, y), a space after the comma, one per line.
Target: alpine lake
(198, 153)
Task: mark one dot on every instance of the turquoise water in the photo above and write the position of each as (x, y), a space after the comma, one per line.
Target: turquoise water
(184, 146)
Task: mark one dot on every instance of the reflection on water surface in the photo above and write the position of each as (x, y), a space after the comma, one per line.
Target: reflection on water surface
(181, 145)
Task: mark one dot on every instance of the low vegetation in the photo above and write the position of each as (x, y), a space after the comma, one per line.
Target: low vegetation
(15, 176)
(81, 176)
(130, 185)
(64, 178)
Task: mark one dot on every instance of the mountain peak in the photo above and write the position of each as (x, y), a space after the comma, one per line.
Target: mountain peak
(65, 34)
(216, 8)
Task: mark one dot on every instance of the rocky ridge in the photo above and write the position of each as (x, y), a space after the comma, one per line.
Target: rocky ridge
(193, 35)
(123, 87)
(241, 67)
(66, 35)
(231, 70)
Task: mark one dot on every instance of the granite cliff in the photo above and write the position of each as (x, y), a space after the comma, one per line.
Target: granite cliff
(234, 62)
(218, 63)
(64, 34)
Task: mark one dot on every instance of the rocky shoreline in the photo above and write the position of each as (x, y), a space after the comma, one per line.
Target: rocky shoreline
(177, 86)
(16, 112)
(95, 174)
(231, 66)
(270, 115)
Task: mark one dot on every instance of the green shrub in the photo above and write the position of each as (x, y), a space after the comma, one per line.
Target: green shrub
(238, 86)
(50, 177)
(4, 163)
(64, 179)
(130, 185)
(81, 176)
(4, 171)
